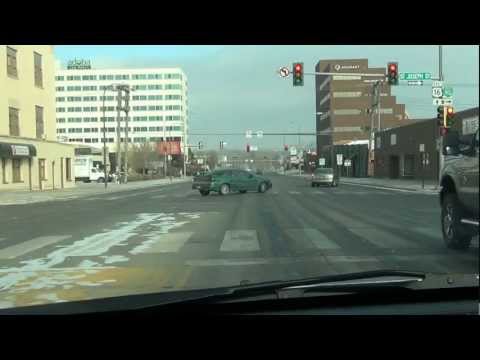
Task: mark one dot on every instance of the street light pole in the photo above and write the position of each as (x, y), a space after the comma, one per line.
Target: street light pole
(119, 107)
(127, 97)
(104, 140)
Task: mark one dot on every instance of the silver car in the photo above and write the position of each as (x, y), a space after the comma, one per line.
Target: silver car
(324, 176)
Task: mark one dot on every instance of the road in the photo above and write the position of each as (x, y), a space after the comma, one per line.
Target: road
(168, 238)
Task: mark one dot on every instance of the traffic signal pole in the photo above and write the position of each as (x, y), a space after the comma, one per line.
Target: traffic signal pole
(441, 158)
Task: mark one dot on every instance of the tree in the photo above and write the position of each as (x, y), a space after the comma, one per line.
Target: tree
(140, 156)
(212, 159)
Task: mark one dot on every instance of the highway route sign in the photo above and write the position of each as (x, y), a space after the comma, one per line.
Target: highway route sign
(448, 92)
(437, 92)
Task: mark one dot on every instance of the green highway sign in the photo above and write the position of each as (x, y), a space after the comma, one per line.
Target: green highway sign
(415, 76)
(448, 92)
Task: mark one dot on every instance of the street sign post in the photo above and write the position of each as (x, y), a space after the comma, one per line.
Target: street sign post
(437, 92)
(321, 162)
(415, 76)
(284, 72)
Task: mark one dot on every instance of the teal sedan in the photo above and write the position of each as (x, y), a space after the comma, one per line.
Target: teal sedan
(230, 180)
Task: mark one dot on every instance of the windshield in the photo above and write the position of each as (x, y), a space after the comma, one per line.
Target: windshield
(107, 155)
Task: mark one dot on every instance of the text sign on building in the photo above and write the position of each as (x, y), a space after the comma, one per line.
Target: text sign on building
(422, 148)
(321, 161)
(415, 76)
(79, 64)
(348, 163)
(20, 150)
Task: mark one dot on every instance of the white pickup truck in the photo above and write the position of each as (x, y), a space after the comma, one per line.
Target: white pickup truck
(87, 171)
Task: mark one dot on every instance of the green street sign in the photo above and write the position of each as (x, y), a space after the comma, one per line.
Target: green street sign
(448, 92)
(415, 76)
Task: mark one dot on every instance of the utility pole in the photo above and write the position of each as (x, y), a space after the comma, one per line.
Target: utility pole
(119, 108)
(104, 140)
(127, 97)
(441, 158)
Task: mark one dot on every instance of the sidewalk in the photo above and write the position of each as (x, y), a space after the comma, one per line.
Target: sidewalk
(431, 187)
(80, 190)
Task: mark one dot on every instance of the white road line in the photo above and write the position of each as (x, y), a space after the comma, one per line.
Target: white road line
(25, 247)
(319, 192)
(317, 238)
(240, 240)
(158, 196)
(294, 192)
(422, 192)
(383, 239)
(167, 243)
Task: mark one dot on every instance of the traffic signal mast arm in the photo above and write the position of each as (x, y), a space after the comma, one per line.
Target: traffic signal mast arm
(345, 74)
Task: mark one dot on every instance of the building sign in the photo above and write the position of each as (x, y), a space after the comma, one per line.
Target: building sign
(339, 67)
(78, 64)
(20, 150)
(169, 147)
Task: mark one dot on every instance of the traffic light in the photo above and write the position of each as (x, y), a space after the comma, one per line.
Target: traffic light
(392, 73)
(248, 148)
(221, 144)
(285, 147)
(440, 116)
(297, 74)
(450, 116)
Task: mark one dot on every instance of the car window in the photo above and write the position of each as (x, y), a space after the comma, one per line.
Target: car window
(324, 171)
(94, 170)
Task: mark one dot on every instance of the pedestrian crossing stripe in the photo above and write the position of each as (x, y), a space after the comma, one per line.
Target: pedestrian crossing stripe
(240, 240)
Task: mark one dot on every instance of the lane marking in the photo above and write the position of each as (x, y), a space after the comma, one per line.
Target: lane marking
(25, 247)
(294, 192)
(240, 240)
(382, 239)
(421, 192)
(317, 238)
(166, 243)
(318, 192)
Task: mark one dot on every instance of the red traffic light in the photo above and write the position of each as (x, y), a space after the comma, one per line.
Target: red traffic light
(450, 110)
(298, 67)
(393, 67)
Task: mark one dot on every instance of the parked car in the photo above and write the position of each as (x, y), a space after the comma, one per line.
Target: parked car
(459, 193)
(324, 176)
(225, 181)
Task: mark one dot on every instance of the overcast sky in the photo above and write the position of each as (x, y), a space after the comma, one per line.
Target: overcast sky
(235, 88)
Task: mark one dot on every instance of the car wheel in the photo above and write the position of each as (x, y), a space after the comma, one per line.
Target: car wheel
(243, 191)
(204, 192)
(454, 233)
(100, 180)
(224, 189)
(262, 187)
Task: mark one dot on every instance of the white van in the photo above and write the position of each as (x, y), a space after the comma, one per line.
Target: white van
(87, 171)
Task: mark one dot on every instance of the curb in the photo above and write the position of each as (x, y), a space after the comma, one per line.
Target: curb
(425, 191)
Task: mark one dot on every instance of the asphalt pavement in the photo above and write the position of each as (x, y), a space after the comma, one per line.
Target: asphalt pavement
(170, 237)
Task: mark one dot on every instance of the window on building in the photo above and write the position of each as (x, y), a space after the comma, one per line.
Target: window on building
(12, 62)
(59, 99)
(42, 169)
(13, 121)
(173, 87)
(60, 120)
(95, 140)
(86, 130)
(393, 139)
(60, 131)
(347, 94)
(37, 60)
(16, 170)
(60, 88)
(347, 112)
(154, 87)
(59, 78)
(68, 169)
(39, 122)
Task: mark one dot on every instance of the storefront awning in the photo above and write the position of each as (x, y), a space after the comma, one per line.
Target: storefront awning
(10, 150)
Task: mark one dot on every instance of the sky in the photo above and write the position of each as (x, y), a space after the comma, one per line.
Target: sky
(237, 88)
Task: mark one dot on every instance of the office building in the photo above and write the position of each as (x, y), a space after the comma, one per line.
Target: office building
(343, 103)
(158, 105)
(30, 156)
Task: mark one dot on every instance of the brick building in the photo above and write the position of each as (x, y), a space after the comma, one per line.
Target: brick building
(397, 150)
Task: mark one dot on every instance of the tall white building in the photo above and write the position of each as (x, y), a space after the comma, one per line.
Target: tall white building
(158, 105)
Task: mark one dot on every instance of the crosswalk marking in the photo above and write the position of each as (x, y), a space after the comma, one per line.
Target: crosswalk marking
(319, 192)
(240, 240)
(294, 192)
(317, 238)
(25, 247)
(167, 243)
(382, 238)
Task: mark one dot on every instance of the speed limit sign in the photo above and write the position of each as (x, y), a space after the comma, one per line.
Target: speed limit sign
(437, 92)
